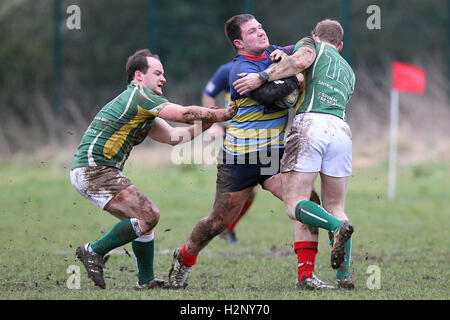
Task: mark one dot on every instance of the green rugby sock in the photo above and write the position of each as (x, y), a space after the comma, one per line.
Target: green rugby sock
(310, 213)
(122, 233)
(144, 253)
(344, 269)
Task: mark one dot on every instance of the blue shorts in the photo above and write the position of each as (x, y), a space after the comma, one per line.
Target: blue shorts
(233, 176)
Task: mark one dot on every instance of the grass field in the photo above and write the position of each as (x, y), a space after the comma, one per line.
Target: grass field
(43, 220)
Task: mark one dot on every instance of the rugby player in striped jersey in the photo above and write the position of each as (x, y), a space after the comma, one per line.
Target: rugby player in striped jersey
(252, 150)
(220, 82)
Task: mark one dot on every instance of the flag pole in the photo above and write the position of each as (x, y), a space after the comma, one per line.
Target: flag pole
(393, 144)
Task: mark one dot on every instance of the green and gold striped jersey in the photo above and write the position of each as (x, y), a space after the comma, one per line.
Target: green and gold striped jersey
(120, 125)
(329, 81)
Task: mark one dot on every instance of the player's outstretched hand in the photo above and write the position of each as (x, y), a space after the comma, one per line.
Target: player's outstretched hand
(248, 82)
(231, 110)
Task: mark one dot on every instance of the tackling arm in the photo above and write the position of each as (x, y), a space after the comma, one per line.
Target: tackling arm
(291, 65)
(163, 132)
(177, 113)
(288, 66)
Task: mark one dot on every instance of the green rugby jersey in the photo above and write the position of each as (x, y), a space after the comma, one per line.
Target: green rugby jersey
(329, 81)
(120, 125)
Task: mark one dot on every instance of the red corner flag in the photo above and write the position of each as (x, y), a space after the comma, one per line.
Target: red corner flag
(408, 78)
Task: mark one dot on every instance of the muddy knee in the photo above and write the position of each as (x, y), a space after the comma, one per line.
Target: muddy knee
(150, 219)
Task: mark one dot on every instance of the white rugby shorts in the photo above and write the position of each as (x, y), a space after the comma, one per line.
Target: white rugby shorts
(99, 184)
(318, 142)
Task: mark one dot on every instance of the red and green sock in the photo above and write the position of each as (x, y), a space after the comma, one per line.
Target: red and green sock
(306, 255)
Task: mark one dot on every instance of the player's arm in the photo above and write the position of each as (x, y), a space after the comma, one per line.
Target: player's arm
(163, 132)
(177, 113)
(216, 130)
(291, 65)
(288, 66)
(273, 91)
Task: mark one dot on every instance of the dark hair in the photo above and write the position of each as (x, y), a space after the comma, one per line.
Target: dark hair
(330, 31)
(138, 62)
(233, 27)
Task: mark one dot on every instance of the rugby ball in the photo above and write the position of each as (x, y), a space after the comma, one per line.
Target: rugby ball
(291, 100)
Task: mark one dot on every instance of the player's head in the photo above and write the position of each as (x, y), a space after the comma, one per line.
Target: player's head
(330, 31)
(246, 34)
(146, 69)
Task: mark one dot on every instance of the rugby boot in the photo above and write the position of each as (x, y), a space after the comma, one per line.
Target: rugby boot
(179, 272)
(346, 283)
(154, 284)
(94, 264)
(340, 237)
(313, 283)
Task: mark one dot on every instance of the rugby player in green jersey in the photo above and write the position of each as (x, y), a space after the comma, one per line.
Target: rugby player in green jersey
(320, 140)
(96, 173)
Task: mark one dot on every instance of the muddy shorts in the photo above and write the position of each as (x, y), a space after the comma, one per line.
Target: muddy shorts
(233, 177)
(318, 142)
(99, 184)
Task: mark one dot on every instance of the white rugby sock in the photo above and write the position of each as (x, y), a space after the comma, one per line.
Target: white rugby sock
(146, 237)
